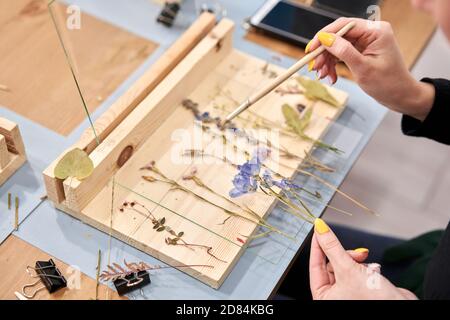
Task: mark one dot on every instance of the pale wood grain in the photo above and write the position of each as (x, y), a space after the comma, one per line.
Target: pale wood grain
(16, 255)
(4, 153)
(37, 74)
(212, 68)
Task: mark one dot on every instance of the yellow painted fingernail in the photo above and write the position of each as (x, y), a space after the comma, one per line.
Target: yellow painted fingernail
(320, 226)
(308, 46)
(325, 38)
(361, 250)
(311, 65)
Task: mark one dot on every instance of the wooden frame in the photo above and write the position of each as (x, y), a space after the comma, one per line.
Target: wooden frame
(12, 149)
(145, 134)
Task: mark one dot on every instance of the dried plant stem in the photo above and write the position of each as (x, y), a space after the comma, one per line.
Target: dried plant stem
(304, 164)
(175, 185)
(259, 235)
(200, 153)
(329, 185)
(272, 124)
(207, 248)
(296, 211)
(159, 226)
(97, 278)
(115, 271)
(326, 205)
(315, 195)
(201, 184)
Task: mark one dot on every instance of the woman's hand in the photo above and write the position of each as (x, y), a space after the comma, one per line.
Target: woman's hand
(344, 277)
(371, 53)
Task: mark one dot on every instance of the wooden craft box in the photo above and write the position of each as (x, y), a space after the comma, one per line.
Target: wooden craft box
(153, 127)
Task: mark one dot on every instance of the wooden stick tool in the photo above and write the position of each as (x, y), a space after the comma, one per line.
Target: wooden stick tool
(283, 77)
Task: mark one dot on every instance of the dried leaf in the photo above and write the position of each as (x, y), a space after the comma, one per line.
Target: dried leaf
(315, 90)
(293, 121)
(112, 269)
(75, 163)
(118, 267)
(160, 229)
(134, 267)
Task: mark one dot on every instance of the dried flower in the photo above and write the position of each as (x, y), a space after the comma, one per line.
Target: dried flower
(191, 174)
(149, 166)
(246, 181)
(116, 271)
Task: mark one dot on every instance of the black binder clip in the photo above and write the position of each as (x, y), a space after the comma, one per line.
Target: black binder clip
(132, 282)
(48, 274)
(168, 13)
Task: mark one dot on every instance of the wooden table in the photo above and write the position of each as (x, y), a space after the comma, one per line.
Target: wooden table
(35, 75)
(412, 28)
(16, 255)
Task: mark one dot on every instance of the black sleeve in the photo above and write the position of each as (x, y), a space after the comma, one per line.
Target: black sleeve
(437, 277)
(437, 124)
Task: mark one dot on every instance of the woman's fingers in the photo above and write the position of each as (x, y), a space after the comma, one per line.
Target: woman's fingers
(343, 50)
(331, 246)
(361, 28)
(318, 275)
(333, 74)
(359, 255)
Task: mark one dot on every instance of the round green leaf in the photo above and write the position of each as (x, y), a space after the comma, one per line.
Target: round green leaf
(75, 163)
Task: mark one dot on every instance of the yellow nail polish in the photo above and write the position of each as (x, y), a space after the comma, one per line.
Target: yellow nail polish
(361, 250)
(325, 38)
(320, 226)
(308, 46)
(311, 65)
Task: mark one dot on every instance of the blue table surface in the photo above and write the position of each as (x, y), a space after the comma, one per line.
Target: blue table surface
(263, 264)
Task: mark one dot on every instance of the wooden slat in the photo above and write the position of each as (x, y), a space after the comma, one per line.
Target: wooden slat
(12, 139)
(132, 97)
(11, 132)
(13, 277)
(4, 153)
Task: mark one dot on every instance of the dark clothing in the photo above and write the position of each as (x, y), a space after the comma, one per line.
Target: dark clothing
(437, 127)
(296, 283)
(437, 276)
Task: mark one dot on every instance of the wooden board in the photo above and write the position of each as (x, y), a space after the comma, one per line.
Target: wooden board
(13, 264)
(12, 149)
(212, 68)
(412, 28)
(36, 73)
